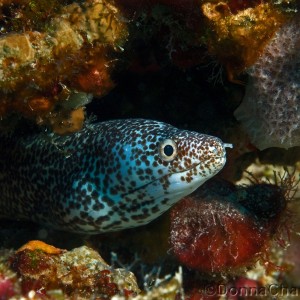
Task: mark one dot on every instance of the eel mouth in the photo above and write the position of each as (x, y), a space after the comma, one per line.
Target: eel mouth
(164, 178)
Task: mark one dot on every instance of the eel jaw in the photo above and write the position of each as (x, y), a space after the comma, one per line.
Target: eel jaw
(173, 186)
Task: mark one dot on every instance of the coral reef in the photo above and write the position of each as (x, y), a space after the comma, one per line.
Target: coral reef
(9, 285)
(165, 289)
(269, 111)
(291, 260)
(54, 51)
(239, 30)
(80, 273)
(40, 271)
(59, 60)
(224, 228)
(55, 56)
(184, 33)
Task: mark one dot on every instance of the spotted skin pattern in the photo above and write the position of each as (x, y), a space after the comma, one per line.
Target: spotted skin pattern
(107, 177)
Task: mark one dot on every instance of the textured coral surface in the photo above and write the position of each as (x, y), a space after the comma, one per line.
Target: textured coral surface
(237, 36)
(40, 271)
(270, 109)
(80, 273)
(53, 56)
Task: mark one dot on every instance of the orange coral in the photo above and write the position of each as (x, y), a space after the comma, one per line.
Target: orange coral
(80, 273)
(40, 104)
(237, 39)
(67, 122)
(59, 50)
(95, 78)
(39, 245)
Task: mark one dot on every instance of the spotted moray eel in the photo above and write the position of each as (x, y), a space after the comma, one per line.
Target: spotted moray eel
(109, 176)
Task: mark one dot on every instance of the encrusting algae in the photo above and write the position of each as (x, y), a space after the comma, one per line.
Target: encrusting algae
(68, 55)
(238, 36)
(80, 273)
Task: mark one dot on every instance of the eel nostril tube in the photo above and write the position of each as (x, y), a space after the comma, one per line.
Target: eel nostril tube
(228, 145)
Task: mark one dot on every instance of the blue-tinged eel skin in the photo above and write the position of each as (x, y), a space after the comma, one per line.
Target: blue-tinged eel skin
(109, 176)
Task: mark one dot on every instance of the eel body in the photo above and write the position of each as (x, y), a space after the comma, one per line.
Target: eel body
(107, 177)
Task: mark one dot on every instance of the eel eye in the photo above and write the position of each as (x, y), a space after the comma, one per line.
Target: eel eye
(167, 150)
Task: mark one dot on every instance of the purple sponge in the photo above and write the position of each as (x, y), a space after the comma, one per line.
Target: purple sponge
(270, 111)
